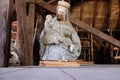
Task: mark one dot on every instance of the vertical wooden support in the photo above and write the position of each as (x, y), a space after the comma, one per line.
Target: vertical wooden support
(107, 26)
(81, 10)
(93, 25)
(119, 17)
(42, 18)
(24, 43)
(30, 28)
(94, 13)
(38, 27)
(41, 24)
(17, 34)
(108, 14)
(5, 29)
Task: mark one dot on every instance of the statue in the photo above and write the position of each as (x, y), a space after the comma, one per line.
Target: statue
(15, 53)
(59, 40)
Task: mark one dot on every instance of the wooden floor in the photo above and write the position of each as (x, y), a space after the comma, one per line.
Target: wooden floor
(84, 72)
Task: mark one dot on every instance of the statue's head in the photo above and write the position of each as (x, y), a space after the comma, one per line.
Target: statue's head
(62, 10)
(48, 17)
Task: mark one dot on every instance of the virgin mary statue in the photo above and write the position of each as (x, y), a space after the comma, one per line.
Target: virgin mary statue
(59, 40)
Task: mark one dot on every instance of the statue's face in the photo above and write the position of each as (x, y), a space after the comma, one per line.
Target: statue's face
(61, 12)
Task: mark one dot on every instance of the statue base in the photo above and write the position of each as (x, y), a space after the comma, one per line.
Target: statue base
(59, 63)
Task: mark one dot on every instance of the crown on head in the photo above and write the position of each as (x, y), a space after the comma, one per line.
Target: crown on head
(64, 4)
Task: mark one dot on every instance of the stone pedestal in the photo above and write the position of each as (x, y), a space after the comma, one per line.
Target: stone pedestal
(59, 64)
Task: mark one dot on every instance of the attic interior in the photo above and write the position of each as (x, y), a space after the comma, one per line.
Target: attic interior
(97, 24)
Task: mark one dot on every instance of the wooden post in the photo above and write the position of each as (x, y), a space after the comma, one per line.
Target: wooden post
(30, 28)
(81, 10)
(5, 28)
(24, 43)
(108, 14)
(119, 17)
(94, 13)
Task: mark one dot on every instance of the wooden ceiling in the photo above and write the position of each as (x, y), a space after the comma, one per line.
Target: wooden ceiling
(92, 20)
(101, 14)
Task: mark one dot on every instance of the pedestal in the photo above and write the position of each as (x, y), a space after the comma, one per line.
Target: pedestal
(59, 64)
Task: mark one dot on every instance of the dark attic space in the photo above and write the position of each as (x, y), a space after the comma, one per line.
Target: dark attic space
(93, 37)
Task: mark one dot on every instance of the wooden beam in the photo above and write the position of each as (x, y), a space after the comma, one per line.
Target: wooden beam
(108, 14)
(5, 29)
(94, 13)
(30, 28)
(51, 1)
(81, 10)
(82, 25)
(24, 43)
(43, 5)
(96, 32)
(119, 17)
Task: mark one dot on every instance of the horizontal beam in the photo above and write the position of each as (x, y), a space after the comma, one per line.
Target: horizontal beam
(80, 24)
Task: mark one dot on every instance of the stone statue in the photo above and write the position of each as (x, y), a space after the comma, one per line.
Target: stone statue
(59, 40)
(15, 53)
